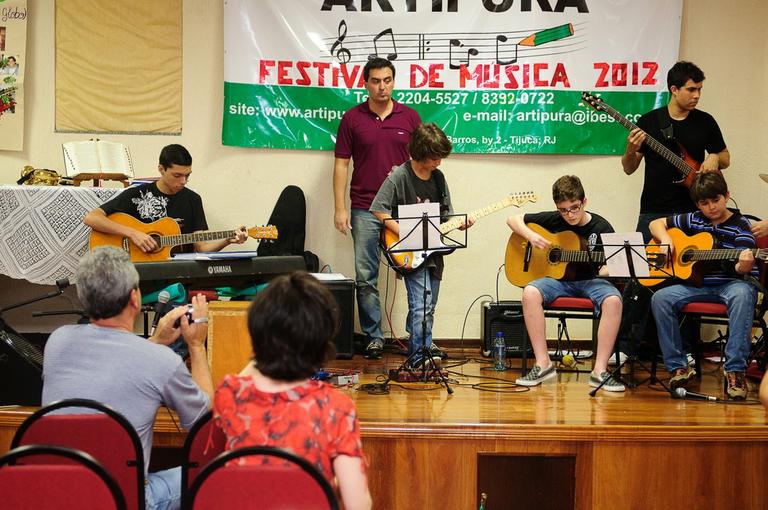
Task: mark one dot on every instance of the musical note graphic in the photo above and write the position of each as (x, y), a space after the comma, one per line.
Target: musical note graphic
(471, 52)
(390, 56)
(422, 45)
(342, 52)
(503, 38)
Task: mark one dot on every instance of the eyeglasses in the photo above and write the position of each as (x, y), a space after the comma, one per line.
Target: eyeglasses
(571, 210)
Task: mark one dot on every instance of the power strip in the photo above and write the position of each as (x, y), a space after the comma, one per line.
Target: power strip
(344, 380)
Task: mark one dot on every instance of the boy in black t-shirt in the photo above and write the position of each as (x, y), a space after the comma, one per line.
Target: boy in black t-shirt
(571, 215)
(168, 197)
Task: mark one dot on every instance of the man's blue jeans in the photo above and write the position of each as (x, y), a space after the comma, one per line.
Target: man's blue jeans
(738, 295)
(366, 230)
(415, 285)
(163, 490)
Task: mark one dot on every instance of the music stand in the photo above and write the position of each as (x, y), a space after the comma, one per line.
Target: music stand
(426, 238)
(625, 261)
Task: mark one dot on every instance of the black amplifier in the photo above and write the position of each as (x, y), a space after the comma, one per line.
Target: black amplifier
(507, 317)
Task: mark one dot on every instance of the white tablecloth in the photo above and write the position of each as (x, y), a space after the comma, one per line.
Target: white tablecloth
(42, 235)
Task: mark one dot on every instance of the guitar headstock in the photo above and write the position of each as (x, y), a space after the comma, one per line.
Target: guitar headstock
(266, 232)
(519, 199)
(592, 100)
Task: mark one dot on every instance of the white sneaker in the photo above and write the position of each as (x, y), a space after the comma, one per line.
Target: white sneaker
(537, 376)
(612, 359)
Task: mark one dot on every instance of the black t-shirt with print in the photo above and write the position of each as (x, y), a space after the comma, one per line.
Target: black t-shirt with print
(590, 232)
(147, 203)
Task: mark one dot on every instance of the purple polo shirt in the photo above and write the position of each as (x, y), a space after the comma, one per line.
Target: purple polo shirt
(375, 146)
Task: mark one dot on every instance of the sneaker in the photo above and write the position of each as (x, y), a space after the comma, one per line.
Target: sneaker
(737, 385)
(417, 362)
(610, 384)
(374, 349)
(690, 360)
(437, 351)
(612, 359)
(537, 376)
(680, 377)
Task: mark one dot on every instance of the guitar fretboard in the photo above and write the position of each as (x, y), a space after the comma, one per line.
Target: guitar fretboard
(196, 237)
(580, 256)
(516, 200)
(722, 254)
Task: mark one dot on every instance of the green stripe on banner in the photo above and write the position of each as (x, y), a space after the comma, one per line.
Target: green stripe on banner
(477, 121)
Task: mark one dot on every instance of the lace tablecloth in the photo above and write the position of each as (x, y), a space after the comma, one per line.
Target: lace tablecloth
(42, 235)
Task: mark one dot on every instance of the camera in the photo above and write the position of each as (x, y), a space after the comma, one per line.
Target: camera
(188, 315)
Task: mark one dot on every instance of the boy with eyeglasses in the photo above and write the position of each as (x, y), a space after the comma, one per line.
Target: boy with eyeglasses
(571, 215)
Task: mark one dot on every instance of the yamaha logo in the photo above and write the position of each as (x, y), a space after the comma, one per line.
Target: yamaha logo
(219, 269)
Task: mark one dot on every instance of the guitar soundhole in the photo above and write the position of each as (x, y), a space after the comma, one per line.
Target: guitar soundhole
(686, 257)
(554, 255)
(156, 238)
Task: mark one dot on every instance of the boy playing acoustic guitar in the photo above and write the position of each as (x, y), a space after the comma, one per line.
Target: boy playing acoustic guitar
(571, 215)
(723, 282)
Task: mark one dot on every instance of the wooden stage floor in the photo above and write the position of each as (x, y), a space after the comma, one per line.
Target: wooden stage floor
(431, 449)
(551, 446)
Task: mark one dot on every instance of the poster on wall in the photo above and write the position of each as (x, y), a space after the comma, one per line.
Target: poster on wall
(13, 40)
(499, 76)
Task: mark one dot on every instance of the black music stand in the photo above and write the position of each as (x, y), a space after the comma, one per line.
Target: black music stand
(429, 369)
(630, 251)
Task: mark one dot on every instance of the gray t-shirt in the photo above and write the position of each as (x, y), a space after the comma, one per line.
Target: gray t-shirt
(124, 371)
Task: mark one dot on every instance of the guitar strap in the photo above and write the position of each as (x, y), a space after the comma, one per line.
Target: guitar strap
(442, 189)
(665, 124)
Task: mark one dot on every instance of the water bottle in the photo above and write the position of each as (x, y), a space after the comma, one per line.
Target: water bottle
(499, 352)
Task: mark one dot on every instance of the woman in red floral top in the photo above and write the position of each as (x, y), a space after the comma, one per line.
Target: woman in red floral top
(272, 402)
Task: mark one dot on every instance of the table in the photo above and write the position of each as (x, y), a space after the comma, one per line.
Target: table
(42, 234)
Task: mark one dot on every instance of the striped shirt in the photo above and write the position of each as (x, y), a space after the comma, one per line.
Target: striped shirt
(733, 233)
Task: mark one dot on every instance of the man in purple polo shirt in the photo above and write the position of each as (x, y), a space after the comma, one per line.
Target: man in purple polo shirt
(375, 135)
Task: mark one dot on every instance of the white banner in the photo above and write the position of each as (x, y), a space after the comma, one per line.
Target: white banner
(293, 67)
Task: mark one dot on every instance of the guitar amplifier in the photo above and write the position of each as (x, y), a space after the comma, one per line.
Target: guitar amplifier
(507, 317)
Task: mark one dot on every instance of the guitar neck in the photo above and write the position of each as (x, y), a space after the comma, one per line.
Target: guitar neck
(657, 147)
(196, 237)
(723, 254)
(581, 256)
(479, 213)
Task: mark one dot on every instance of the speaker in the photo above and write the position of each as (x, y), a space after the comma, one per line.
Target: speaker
(507, 317)
(344, 293)
(21, 371)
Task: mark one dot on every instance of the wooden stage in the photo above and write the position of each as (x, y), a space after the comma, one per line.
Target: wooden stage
(552, 446)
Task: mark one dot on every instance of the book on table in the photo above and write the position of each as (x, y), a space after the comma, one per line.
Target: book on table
(97, 159)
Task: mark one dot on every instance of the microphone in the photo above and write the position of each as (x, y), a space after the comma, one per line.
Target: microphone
(162, 300)
(683, 393)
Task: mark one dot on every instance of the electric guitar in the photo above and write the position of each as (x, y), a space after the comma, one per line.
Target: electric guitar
(524, 263)
(407, 262)
(687, 251)
(685, 164)
(167, 234)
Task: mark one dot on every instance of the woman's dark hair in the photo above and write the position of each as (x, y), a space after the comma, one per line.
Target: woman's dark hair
(292, 326)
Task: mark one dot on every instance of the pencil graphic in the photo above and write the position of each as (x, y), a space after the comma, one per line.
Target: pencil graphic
(548, 35)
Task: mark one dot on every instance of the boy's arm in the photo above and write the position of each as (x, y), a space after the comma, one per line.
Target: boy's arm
(517, 224)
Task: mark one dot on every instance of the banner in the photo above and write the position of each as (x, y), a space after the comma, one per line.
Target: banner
(499, 76)
(13, 41)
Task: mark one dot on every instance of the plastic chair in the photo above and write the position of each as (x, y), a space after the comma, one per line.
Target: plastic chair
(294, 483)
(75, 480)
(203, 443)
(717, 313)
(106, 435)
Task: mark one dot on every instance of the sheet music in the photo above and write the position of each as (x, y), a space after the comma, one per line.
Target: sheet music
(411, 226)
(616, 254)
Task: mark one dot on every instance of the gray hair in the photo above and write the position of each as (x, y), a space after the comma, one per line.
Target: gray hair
(105, 279)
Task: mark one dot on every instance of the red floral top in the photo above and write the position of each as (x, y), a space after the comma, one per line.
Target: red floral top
(314, 421)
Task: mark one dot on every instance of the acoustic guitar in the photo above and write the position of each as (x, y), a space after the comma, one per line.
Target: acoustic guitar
(687, 251)
(167, 234)
(524, 263)
(406, 262)
(686, 164)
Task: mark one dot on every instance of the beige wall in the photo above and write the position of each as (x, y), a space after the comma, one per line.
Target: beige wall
(241, 185)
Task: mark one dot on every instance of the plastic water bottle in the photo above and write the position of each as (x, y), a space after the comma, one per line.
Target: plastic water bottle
(499, 352)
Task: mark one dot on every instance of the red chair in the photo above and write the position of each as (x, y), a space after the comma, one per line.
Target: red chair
(203, 443)
(105, 434)
(75, 480)
(717, 313)
(291, 483)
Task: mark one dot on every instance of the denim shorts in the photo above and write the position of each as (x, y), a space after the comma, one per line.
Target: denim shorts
(596, 290)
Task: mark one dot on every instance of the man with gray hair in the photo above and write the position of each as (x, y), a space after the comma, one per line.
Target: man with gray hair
(107, 362)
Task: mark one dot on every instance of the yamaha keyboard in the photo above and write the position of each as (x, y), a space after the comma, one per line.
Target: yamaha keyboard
(154, 276)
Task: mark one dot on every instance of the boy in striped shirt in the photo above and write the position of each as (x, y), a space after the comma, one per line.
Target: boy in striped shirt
(723, 282)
